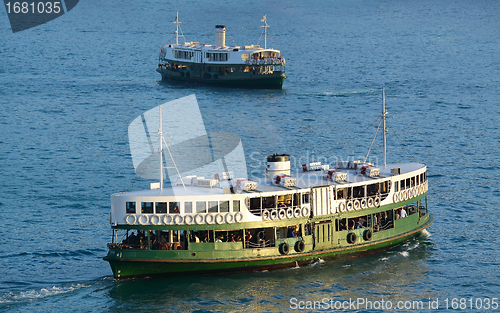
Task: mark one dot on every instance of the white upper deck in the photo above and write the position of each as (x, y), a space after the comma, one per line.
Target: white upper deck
(304, 181)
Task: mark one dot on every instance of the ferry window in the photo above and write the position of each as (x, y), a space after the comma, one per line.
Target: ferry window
(372, 189)
(236, 205)
(407, 183)
(173, 207)
(147, 207)
(349, 193)
(425, 176)
(201, 207)
(131, 207)
(396, 186)
(188, 207)
(305, 198)
(213, 206)
(161, 207)
(341, 224)
(340, 194)
(224, 206)
(358, 192)
(385, 187)
(268, 202)
(296, 199)
(412, 182)
(255, 205)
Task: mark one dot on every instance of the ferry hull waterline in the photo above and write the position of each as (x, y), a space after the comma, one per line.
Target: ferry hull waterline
(227, 224)
(245, 66)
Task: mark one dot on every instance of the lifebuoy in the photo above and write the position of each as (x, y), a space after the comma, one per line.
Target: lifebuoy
(187, 74)
(164, 246)
(238, 217)
(376, 202)
(296, 212)
(261, 235)
(198, 219)
(357, 205)
(131, 222)
(209, 219)
(300, 246)
(305, 212)
(351, 238)
(265, 215)
(229, 218)
(284, 248)
(178, 219)
(370, 202)
(281, 214)
(219, 218)
(143, 222)
(188, 219)
(274, 214)
(289, 213)
(363, 203)
(167, 219)
(367, 235)
(155, 220)
(395, 198)
(405, 195)
(176, 246)
(182, 74)
(349, 206)
(342, 207)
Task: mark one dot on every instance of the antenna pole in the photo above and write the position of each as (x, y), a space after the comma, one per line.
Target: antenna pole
(160, 151)
(177, 31)
(384, 131)
(265, 30)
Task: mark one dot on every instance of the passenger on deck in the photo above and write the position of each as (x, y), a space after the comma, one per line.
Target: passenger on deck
(131, 239)
(361, 223)
(248, 236)
(403, 213)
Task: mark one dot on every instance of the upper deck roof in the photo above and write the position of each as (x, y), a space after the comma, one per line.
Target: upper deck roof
(304, 180)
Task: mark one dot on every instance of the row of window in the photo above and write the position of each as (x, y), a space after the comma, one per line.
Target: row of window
(179, 54)
(217, 56)
(183, 207)
(410, 182)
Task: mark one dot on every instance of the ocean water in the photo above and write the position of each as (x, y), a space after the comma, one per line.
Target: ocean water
(70, 88)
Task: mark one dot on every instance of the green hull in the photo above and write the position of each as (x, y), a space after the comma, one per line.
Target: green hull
(243, 80)
(226, 257)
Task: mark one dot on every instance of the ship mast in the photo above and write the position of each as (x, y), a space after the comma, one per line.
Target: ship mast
(160, 151)
(177, 30)
(265, 30)
(384, 129)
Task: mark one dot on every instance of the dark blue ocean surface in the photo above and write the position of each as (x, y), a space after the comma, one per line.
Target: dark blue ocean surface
(70, 88)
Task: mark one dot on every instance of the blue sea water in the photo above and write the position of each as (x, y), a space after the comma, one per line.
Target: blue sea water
(70, 88)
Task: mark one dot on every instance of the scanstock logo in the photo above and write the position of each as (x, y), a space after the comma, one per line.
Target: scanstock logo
(28, 14)
(188, 148)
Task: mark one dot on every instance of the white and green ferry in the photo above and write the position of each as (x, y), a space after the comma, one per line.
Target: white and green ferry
(222, 223)
(221, 65)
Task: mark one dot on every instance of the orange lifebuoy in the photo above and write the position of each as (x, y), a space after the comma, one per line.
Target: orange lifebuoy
(176, 246)
(164, 246)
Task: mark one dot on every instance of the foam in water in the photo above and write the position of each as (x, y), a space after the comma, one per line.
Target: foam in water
(32, 295)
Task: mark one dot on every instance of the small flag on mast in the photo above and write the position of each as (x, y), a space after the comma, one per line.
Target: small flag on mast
(263, 18)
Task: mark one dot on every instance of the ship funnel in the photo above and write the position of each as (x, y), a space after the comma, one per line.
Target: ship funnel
(278, 164)
(220, 35)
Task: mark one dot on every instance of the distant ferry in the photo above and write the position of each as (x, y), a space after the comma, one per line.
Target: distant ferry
(221, 65)
(222, 223)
